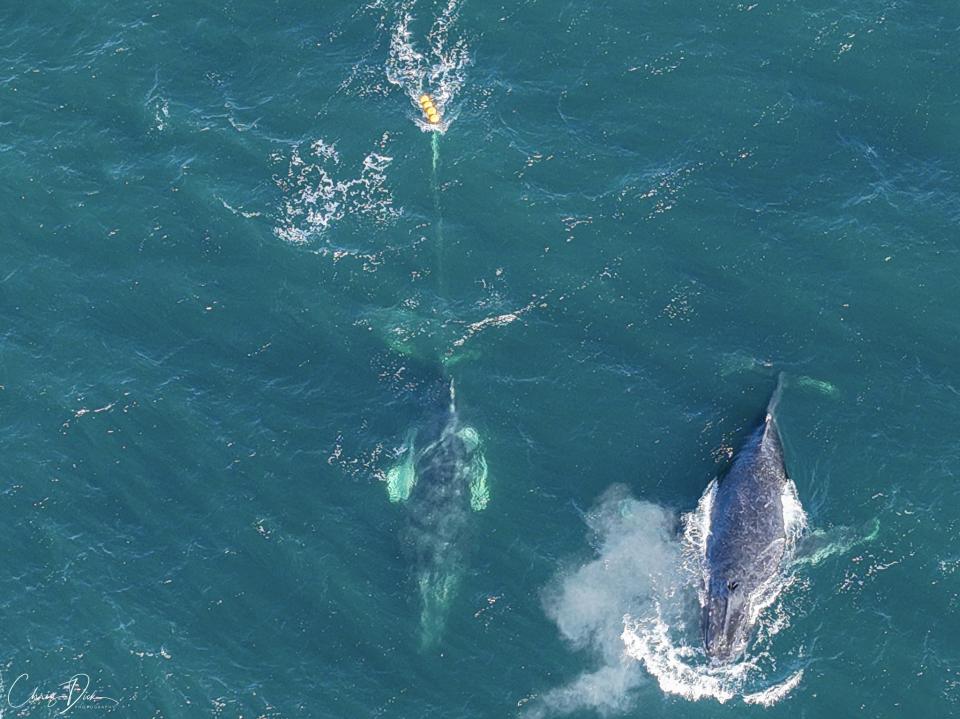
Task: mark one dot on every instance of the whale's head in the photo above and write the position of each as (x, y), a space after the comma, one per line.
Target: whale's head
(726, 619)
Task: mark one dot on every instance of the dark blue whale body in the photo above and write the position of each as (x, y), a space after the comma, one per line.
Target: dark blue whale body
(747, 540)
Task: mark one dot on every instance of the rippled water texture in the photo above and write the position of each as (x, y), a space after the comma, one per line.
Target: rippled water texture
(239, 270)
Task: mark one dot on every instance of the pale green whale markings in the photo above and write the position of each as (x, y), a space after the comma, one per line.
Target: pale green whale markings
(477, 470)
(402, 477)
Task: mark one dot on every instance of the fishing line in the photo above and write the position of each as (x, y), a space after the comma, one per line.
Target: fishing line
(435, 145)
(432, 115)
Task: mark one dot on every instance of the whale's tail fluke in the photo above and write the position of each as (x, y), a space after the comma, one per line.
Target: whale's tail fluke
(437, 587)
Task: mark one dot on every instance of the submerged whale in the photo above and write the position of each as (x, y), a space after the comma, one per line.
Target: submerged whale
(441, 477)
(748, 537)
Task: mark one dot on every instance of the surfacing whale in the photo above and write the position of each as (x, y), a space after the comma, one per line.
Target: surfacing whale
(747, 540)
(441, 477)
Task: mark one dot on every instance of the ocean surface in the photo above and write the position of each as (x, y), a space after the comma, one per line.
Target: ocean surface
(239, 271)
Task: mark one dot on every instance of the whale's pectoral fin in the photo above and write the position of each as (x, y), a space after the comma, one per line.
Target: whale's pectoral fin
(455, 355)
(479, 489)
(400, 481)
(821, 544)
(820, 385)
(404, 332)
(739, 361)
(402, 477)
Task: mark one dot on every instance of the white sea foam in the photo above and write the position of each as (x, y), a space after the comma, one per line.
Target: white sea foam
(439, 69)
(500, 320)
(317, 195)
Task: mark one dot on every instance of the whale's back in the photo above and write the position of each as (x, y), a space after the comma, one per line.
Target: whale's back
(746, 541)
(747, 511)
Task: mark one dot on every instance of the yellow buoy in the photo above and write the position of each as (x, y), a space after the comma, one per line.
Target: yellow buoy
(429, 109)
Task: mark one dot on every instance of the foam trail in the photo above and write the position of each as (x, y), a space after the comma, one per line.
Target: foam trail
(438, 71)
(769, 697)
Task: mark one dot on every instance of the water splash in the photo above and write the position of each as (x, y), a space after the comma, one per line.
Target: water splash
(636, 562)
(439, 69)
(668, 645)
(317, 196)
(635, 606)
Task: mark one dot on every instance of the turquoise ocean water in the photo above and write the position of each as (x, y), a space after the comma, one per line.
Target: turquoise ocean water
(237, 269)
